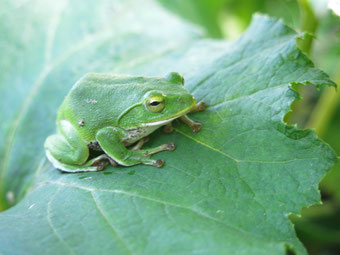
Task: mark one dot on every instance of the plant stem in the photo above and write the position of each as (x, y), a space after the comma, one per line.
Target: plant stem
(325, 108)
(308, 23)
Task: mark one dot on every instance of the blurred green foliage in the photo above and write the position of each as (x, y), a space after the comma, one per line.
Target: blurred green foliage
(228, 18)
(205, 13)
(319, 226)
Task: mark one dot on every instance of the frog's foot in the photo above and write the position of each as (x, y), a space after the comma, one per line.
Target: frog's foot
(101, 162)
(140, 144)
(159, 163)
(145, 154)
(164, 147)
(168, 128)
(199, 107)
(68, 168)
(109, 136)
(194, 126)
(151, 162)
(145, 159)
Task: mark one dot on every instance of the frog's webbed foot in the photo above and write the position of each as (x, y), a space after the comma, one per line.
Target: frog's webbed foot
(143, 156)
(148, 152)
(157, 163)
(102, 161)
(101, 164)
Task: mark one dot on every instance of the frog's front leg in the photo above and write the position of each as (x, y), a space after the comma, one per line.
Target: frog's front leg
(110, 140)
(194, 125)
(140, 144)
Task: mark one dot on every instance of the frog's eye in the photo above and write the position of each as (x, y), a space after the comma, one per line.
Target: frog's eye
(155, 104)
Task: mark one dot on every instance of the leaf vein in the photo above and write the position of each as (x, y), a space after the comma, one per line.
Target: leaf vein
(243, 59)
(49, 220)
(206, 145)
(99, 208)
(199, 213)
(247, 96)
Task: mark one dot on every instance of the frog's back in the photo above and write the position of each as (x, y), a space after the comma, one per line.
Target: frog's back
(98, 100)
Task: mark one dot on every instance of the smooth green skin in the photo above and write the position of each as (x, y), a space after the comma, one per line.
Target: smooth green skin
(111, 111)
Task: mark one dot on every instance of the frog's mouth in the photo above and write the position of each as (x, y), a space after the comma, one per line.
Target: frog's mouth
(160, 122)
(163, 122)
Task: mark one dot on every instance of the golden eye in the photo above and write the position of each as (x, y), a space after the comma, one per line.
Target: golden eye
(155, 104)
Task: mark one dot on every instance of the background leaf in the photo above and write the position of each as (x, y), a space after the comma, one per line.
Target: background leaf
(227, 189)
(203, 12)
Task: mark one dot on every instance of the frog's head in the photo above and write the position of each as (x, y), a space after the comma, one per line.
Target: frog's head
(166, 99)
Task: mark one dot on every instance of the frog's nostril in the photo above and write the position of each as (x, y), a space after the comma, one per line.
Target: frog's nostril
(180, 99)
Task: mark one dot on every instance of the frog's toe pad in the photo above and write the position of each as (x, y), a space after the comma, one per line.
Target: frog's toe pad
(159, 163)
(201, 106)
(196, 127)
(102, 165)
(171, 146)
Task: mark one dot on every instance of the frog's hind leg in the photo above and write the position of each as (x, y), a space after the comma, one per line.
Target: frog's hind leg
(110, 140)
(68, 152)
(93, 165)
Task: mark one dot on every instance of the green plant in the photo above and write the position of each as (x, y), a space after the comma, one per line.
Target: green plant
(226, 190)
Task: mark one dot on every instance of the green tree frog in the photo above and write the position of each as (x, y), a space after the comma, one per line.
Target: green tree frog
(114, 114)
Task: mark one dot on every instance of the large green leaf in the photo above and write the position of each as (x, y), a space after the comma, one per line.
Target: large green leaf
(225, 190)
